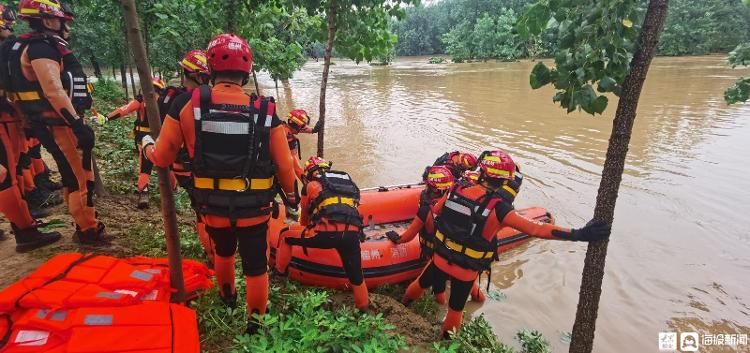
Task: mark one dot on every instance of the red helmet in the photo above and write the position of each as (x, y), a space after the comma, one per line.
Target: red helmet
(316, 164)
(195, 62)
(7, 17)
(42, 8)
(471, 176)
(497, 165)
(158, 83)
(298, 118)
(439, 177)
(465, 160)
(229, 52)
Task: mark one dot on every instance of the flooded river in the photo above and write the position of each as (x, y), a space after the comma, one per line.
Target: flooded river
(678, 260)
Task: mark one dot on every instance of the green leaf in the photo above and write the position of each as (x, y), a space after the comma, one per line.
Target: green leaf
(607, 84)
(540, 76)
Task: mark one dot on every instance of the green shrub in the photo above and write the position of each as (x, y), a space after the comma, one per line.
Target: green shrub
(301, 322)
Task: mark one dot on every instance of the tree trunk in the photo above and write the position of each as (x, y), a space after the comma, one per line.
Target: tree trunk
(132, 80)
(97, 68)
(165, 187)
(99, 188)
(326, 68)
(255, 81)
(114, 72)
(124, 78)
(593, 270)
(232, 17)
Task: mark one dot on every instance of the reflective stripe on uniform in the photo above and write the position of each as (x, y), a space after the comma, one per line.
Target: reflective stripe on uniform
(234, 184)
(26, 96)
(474, 254)
(197, 113)
(98, 320)
(457, 207)
(226, 127)
(335, 200)
(143, 128)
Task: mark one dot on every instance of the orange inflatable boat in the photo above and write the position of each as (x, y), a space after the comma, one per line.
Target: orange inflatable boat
(383, 209)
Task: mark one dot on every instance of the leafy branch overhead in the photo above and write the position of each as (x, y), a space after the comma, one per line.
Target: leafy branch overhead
(740, 91)
(594, 47)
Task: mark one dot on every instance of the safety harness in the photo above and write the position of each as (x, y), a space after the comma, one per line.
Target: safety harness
(28, 94)
(232, 166)
(459, 230)
(338, 201)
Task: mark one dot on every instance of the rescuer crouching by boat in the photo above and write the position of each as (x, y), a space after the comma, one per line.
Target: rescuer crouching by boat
(329, 219)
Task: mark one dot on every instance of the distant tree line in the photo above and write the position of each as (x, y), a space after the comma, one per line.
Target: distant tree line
(485, 29)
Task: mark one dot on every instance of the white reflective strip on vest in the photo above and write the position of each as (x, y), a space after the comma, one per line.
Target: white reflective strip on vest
(79, 79)
(340, 176)
(127, 292)
(109, 295)
(458, 207)
(83, 95)
(143, 276)
(197, 113)
(98, 320)
(79, 86)
(16, 46)
(166, 99)
(31, 338)
(269, 119)
(151, 296)
(226, 127)
(255, 118)
(486, 212)
(58, 315)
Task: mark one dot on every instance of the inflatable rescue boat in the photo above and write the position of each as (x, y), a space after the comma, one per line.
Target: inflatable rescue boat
(383, 209)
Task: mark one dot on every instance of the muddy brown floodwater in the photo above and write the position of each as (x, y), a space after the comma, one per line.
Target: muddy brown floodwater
(678, 260)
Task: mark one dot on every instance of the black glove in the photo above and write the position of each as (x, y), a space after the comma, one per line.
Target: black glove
(84, 134)
(317, 126)
(393, 236)
(592, 231)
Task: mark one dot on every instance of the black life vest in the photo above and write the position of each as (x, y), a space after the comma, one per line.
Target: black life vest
(459, 228)
(75, 82)
(183, 162)
(231, 147)
(426, 237)
(166, 98)
(28, 95)
(337, 201)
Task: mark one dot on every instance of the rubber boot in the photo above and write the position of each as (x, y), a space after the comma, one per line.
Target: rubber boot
(31, 238)
(452, 322)
(39, 213)
(441, 298)
(257, 300)
(224, 269)
(283, 257)
(143, 200)
(361, 296)
(413, 292)
(42, 197)
(43, 180)
(476, 293)
(92, 237)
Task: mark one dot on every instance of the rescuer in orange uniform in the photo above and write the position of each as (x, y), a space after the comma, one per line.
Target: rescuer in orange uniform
(329, 220)
(467, 221)
(35, 65)
(195, 73)
(298, 122)
(457, 162)
(140, 129)
(12, 204)
(239, 154)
